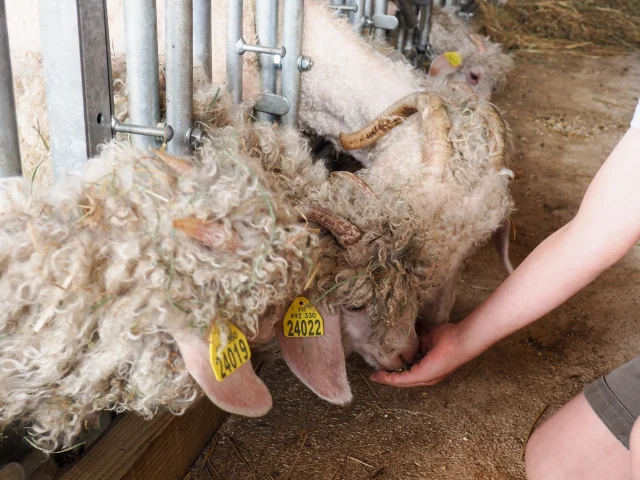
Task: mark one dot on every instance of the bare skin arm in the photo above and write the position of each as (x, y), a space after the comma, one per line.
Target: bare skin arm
(606, 227)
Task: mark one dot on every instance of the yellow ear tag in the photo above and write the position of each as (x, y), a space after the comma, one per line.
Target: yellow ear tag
(303, 320)
(225, 361)
(453, 58)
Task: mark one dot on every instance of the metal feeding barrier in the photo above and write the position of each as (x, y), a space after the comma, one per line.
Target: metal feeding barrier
(79, 87)
(78, 80)
(288, 58)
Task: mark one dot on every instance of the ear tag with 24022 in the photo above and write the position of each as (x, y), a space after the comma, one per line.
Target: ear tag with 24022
(302, 320)
(225, 361)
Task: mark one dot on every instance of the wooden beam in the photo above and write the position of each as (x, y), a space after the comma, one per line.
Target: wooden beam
(163, 448)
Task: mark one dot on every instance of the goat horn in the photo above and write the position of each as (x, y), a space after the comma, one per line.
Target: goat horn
(178, 164)
(354, 180)
(345, 232)
(462, 90)
(211, 234)
(435, 120)
(477, 41)
(496, 133)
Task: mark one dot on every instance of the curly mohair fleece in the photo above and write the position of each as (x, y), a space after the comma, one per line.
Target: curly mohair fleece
(393, 267)
(94, 281)
(463, 204)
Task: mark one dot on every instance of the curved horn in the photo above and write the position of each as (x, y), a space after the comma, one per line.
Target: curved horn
(354, 180)
(435, 120)
(496, 134)
(461, 90)
(477, 41)
(345, 232)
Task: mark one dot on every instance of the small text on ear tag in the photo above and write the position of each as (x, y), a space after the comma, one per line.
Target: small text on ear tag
(225, 361)
(303, 320)
(453, 58)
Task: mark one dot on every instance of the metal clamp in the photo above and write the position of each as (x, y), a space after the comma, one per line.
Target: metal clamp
(196, 137)
(386, 22)
(242, 47)
(345, 8)
(161, 131)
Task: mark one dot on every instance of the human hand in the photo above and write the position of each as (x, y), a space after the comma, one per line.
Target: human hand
(444, 355)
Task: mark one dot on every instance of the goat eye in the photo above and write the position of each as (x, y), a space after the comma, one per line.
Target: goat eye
(353, 308)
(474, 77)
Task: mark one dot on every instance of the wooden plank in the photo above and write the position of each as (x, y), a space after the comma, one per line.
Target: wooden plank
(160, 449)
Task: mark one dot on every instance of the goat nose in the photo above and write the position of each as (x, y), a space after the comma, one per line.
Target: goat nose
(410, 355)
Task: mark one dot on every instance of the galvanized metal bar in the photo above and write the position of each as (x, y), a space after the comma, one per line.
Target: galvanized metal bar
(356, 18)
(202, 41)
(96, 72)
(179, 31)
(402, 33)
(344, 8)
(267, 30)
(291, 71)
(141, 42)
(380, 7)
(245, 47)
(408, 40)
(337, 2)
(426, 15)
(10, 165)
(162, 133)
(234, 60)
(368, 8)
(77, 72)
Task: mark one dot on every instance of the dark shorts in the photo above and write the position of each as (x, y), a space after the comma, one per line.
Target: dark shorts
(616, 399)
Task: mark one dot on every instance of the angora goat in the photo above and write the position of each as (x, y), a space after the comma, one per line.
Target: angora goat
(371, 274)
(460, 183)
(103, 282)
(477, 61)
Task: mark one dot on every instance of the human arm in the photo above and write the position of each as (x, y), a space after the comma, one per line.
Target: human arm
(606, 227)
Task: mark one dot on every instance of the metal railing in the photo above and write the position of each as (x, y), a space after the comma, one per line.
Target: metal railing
(77, 68)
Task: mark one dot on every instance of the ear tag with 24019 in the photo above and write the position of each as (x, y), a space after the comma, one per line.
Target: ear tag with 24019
(225, 361)
(303, 320)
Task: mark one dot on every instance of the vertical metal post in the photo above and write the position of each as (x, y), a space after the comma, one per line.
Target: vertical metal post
(357, 18)
(179, 32)
(141, 41)
(234, 60)
(267, 29)
(408, 41)
(380, 7)
(202, 35)
(292, 35)
(10, 165)
(77, 72)
(402, 33)
(426, 15)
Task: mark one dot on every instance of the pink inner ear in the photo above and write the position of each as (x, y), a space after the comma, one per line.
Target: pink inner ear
(242, 392)
(440, 67)
(319, 361)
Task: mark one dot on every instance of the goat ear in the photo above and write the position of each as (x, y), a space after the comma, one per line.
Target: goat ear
(320, 361)
(242, 392)
(441, 66)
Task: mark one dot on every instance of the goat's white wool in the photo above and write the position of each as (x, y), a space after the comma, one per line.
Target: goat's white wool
(95, 281)
(635, 122)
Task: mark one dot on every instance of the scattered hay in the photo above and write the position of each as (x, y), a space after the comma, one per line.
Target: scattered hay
(574, 27)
